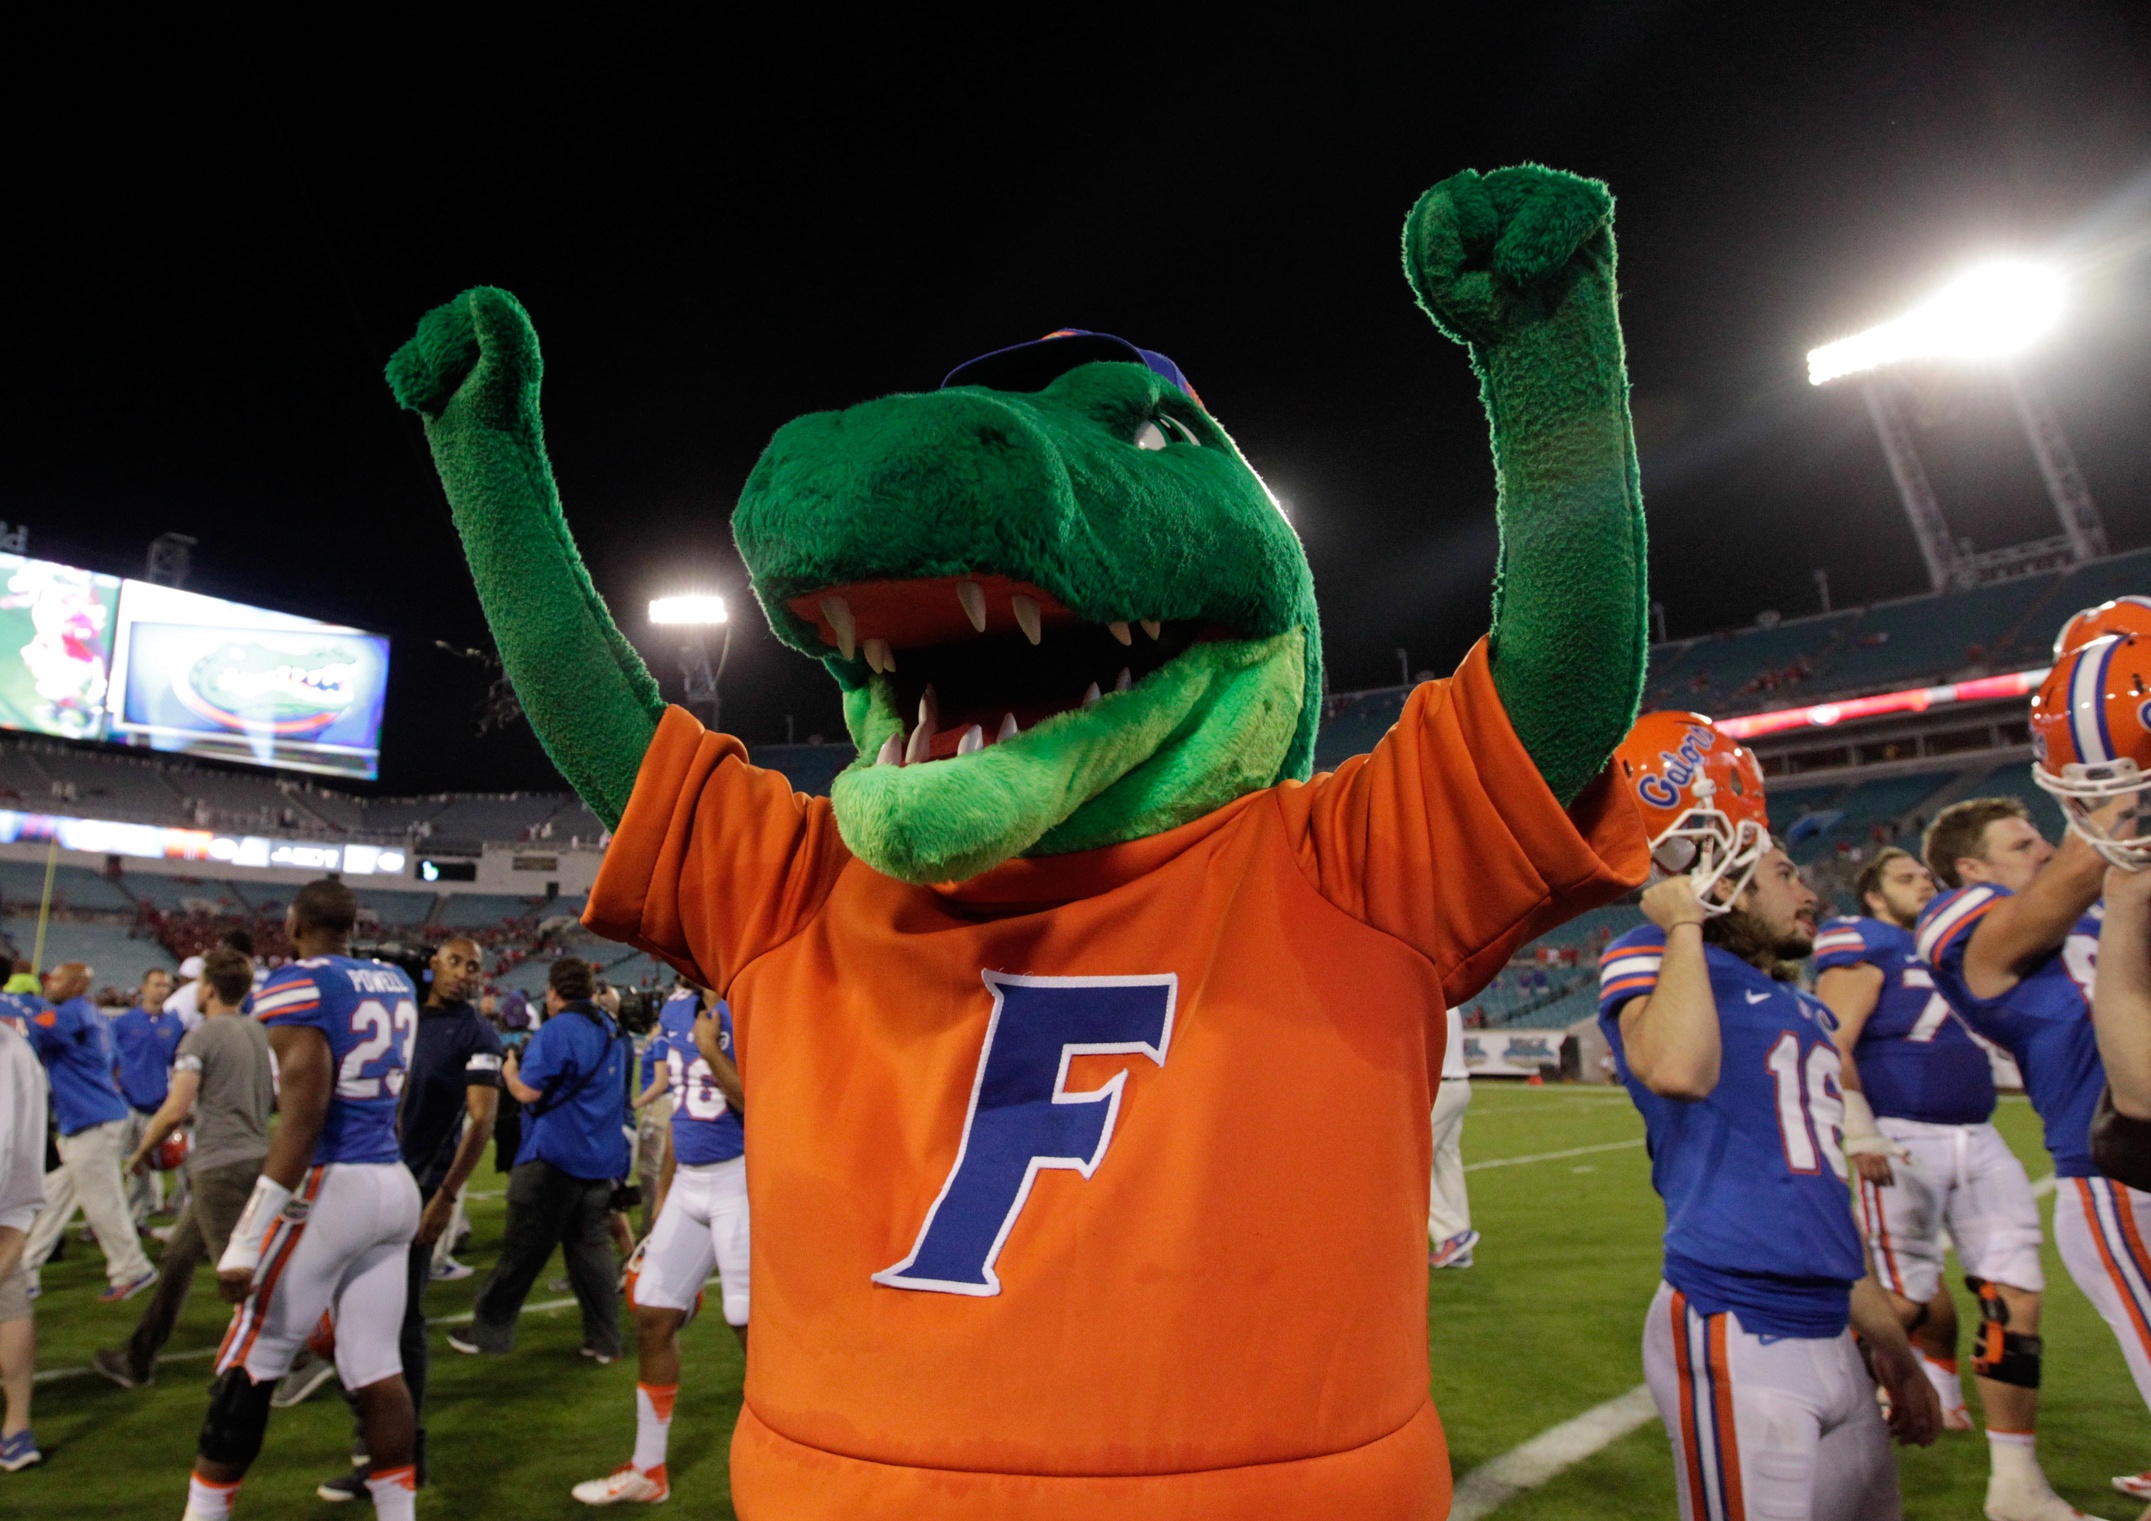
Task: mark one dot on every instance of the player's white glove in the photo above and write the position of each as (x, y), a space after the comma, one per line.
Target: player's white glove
(1862, 1139)
(272, 1200)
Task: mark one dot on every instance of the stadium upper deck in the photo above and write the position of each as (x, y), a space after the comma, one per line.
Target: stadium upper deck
(1835, 793)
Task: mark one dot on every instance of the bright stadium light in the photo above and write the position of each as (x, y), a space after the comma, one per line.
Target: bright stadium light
(1987, 312)
(693, 608)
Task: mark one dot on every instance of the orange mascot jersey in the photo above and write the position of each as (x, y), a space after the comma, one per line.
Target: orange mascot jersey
(1096, 1186)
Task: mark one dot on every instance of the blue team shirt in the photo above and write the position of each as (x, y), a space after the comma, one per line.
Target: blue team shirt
(16, 1010)
(2044, 1021)
(1758, 1219)
(369, 1012)
(75, 1045)
(147, 1044)
(1918, 1060)
(581, 1122)
(705, 1126)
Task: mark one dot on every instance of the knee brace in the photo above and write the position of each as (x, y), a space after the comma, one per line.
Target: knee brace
(238, 1415)
(2006, 1356)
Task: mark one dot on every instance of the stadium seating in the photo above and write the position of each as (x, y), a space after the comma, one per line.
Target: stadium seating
(482, 910)
(395, 909)
(513, 816)
(117, 955)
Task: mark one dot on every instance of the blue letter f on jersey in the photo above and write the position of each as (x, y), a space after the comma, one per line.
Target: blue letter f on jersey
(1024, 1119)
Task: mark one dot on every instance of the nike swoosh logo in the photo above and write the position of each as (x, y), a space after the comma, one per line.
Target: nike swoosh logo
(1758, 998)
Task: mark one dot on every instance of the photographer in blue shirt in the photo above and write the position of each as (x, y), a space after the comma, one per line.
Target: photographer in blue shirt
(572, 1080)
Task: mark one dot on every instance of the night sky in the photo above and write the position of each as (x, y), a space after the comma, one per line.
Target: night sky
(218, 233)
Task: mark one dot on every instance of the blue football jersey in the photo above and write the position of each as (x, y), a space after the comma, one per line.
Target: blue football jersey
(705, 1126)
(1918, 1061)
(2044, 1021)
(1758, 1219)
(369, 1012)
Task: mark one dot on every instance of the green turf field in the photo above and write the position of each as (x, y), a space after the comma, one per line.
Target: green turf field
(1547, 1325)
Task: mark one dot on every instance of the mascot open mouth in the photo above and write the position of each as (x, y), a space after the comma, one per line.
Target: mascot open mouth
(975, 661)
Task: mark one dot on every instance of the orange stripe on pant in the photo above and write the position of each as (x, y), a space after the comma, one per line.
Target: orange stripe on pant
(1691, 1445)
(2090, 1199)
(255, 1310)
(1721, 1374)
(1871, 1200)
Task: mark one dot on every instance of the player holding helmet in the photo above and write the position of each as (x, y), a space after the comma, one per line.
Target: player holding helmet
(333, 1213)
(2033, 988)
(1748, 1347)
(702, 1225)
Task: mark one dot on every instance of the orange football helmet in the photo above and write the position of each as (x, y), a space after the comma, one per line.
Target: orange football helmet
(2091, 740)
(1702, 798)
(2120, 615)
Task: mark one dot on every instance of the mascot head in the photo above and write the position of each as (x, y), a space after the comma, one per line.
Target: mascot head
(1063, 611)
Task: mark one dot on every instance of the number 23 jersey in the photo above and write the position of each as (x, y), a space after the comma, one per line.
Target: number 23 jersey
(705, 1126)
(1753, 1177)
(2044, 1021)
(368, 1011)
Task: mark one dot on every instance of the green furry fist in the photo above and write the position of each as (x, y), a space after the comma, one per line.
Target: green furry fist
(1490, 253)
(484, 335)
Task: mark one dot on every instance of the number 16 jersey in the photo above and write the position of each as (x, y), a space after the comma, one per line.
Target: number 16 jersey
(368, 1010)
(1753, 1177)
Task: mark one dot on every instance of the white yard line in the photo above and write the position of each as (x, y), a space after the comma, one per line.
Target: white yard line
(1552, 1156)
(1521, 1469)
(51, 1375)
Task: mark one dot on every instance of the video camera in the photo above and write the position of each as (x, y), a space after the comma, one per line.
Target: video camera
(413, 958)
(639, 1009)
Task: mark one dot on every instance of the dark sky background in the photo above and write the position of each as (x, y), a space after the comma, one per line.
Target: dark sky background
(219, 230)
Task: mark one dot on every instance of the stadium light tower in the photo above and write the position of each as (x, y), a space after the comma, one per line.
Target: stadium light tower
(695, 614)
(1989, 313)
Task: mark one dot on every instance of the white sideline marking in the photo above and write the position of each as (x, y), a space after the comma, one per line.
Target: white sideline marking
(2045, 1186)
(1552, 1156)
(1521, 1469)
(50, 1375)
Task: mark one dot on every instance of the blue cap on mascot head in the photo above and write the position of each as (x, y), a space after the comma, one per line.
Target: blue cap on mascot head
(1035, 365)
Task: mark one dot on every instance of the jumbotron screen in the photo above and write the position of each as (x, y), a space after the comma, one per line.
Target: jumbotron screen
(87, 656)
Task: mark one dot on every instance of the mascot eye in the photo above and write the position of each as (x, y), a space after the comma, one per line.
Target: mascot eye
(1157, 432)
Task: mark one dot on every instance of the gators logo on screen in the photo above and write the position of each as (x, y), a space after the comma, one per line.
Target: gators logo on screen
(255, 689)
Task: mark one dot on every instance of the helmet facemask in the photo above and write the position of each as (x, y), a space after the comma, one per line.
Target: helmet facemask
(1718, 855)
(2085, 789)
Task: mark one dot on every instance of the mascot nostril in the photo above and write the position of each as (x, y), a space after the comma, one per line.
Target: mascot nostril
(1010, 1004)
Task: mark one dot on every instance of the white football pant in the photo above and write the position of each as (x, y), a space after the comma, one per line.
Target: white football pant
(2099, 1229)
(1448, 1205)
(702, 1226)
(1786, 1428)
(1964, 1178)
(347, 1258)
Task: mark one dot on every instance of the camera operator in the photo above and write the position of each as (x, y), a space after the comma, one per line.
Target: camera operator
(449, 1099)
(572, 1079)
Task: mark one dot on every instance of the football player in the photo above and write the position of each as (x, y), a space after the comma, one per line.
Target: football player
(703, 1225)
(2015, 946)
(1748, 1347)
(1930, 1087)
(333, 1214)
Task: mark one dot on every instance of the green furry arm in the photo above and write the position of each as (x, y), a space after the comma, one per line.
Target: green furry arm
(1517, 265)
(472, 372)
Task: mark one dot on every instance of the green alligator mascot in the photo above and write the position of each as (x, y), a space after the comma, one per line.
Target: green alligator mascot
(1088, 1038)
